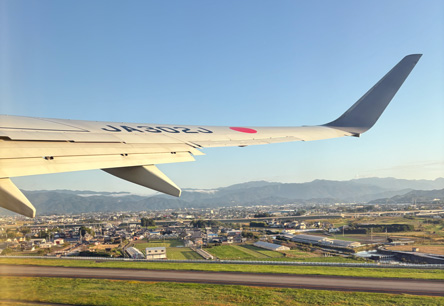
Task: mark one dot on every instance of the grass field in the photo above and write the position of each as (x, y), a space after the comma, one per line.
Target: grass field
(261, 252)
(250, 252)
(118, 293)
(244, 252)
(311, 270)
(182, 253)
(235, 252)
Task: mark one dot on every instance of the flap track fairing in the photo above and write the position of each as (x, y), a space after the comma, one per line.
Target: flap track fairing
(148, 176)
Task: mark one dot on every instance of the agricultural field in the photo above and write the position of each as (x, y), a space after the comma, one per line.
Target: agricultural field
(298, 254)
(420, 237)
(427, 231)
(244, 252)
(250, 252)
(380, 238)
(233, 253)
(431, 249)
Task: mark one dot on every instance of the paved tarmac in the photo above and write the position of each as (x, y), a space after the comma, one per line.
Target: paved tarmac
(384, 285)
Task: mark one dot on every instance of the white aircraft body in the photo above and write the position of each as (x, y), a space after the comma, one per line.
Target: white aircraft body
(30, 146)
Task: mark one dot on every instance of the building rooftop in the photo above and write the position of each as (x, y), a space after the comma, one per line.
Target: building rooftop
(156, 249)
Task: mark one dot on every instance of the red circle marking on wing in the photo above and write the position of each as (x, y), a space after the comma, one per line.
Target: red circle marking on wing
(243, 130)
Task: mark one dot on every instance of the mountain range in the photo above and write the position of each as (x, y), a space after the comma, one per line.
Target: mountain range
(373, 190)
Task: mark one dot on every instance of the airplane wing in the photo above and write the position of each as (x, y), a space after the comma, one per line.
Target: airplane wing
(30, 146)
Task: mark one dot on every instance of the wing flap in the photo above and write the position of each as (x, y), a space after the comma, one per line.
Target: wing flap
(42, 165)
(27, 149)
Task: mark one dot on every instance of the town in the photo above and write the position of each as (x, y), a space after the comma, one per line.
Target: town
(345, 232)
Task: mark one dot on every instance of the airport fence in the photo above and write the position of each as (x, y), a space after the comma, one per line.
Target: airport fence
(244, 262)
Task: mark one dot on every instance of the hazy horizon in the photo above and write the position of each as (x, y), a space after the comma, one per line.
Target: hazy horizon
(149, 192)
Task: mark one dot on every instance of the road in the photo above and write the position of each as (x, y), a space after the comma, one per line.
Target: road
(408, 286)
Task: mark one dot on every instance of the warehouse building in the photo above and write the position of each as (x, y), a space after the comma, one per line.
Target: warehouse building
(134, 253)
(309, 239)
(271, 246)
(321, 241)
(156, 253)
(343, 243)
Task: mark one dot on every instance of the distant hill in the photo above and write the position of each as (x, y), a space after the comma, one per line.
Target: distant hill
(418, 196)
(399, 184)
(245, 194)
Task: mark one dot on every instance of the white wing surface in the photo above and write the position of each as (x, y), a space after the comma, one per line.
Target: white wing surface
(30, 146)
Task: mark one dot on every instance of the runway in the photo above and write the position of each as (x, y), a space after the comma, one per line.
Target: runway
(382, 285)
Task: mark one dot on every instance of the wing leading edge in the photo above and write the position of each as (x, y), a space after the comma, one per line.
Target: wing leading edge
(130, 151)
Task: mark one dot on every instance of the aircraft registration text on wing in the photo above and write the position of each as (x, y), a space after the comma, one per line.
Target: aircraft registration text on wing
(130, 151)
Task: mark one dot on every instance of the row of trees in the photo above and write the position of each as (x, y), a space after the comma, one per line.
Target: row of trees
(205, 223)
(262, 215)
(378, 228)
(258, 224)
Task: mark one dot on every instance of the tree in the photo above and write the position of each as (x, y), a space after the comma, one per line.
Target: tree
(300, 212)
(249, 235)
(262, 215)
(11, 234)
(6, 251)
(202, 223)
(25, 230)
(83, 230)
(145, 222)
(43, 234)
(198, 223)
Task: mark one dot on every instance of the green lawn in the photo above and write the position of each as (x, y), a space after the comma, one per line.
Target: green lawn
(119, 293)
(261, 253)
(253, 251)
(311, 270)
(244, 252)
(182, 253)
(230, 252)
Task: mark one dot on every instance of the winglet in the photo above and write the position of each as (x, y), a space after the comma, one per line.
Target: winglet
(366, 111)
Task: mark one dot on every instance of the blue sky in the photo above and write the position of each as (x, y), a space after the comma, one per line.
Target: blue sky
(237, 63)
